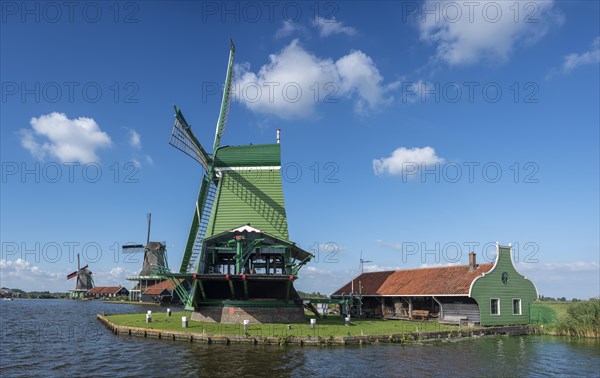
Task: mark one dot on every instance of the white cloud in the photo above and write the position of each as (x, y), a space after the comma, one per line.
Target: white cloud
(69, 140)
(404, 157)
(466, 33)
(578, 279)
(360, 75)
(135, 140)
(21, 274)
(313, 278)
(295, 80)
(592, 56)
(456, 263)
(379, 268)
(116, 276)
(330, 26)
(396, 246)
(416, 91)
(577, 266)
(288, 28)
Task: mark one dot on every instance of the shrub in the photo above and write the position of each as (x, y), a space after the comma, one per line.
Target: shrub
(582, 319)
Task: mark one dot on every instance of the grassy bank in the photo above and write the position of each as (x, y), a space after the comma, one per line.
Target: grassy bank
(567, 318)
(332, 326)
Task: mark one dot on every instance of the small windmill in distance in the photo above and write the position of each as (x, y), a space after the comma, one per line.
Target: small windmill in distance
(155, 262)
(362, 263)
(85, 282)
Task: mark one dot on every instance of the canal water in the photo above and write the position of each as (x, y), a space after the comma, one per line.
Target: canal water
(62, 338)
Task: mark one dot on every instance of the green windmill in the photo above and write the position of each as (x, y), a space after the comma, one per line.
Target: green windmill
(238, 255)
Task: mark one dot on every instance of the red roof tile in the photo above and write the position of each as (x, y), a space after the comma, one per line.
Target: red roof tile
(446, 280)
(160, 287)
(105, 290)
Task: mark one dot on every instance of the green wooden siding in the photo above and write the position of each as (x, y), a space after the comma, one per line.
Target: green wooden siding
(252, 197)
(257, 155)
(491, 285)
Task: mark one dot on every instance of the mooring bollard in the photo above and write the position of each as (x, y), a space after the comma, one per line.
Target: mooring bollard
(313, 323)
(246, 324)
(149, 317)
(184, 322)
(168, 312)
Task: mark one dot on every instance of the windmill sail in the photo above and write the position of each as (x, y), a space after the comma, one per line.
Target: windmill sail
(226, 101)
(185, 141)
(133, 248)
(200, 220)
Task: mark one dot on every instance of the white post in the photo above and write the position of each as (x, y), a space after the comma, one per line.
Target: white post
(347, 320)
(168, 312)
(149, 317)
(246, 324)
(184, 322)
(313, 323)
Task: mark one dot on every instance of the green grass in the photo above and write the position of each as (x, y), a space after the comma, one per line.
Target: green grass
(559, 307)
(331, 326)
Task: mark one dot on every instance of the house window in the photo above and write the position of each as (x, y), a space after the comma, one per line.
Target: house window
(495, 306)
(516, 306)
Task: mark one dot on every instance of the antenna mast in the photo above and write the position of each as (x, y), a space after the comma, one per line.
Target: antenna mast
(362, 263)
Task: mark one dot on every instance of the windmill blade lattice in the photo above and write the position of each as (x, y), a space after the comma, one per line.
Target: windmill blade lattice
(226, 101)
(185, 141)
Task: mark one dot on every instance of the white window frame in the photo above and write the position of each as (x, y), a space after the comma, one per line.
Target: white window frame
(497, 306)
(520, 306)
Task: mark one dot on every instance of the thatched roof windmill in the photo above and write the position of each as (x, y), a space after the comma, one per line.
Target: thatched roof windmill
(84, 283)
(155, 263)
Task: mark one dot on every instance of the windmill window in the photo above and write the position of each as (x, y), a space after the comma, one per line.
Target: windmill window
(516, 306)
(495, 306)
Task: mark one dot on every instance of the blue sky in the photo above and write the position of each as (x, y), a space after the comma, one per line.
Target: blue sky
(412, 132)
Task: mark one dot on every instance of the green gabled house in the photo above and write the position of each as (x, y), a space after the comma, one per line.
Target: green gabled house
(503, 294)
(485, 294)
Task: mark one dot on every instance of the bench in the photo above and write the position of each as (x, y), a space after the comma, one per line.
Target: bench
(423, 314)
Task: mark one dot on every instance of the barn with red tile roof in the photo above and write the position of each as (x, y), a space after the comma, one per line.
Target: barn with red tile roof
(488, 294)
(161, 292)
(107, 292)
